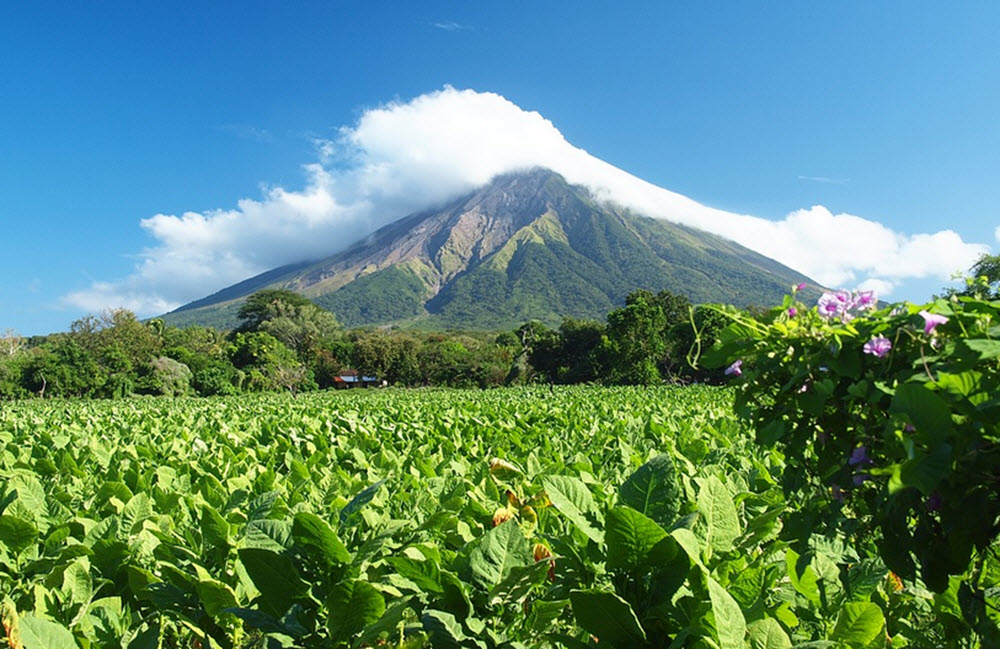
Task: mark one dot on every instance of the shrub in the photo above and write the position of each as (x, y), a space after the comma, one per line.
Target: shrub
(889, 419)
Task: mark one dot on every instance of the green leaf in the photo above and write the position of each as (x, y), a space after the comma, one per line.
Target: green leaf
(730, 625)
(496, 553)
(859, 624)
(147, 639)
(275, 577)
(455, 599)
(17, 533)
(608, 617)
(985, 347)
(353, 606)
(925, 471)
(572, 498)
(76, 582)
(519, 582)
(425, 574)
(215, 596)
(138, 509)
(267, 534)
(802, 576)
(316, 536)
(767, 634)
(715, 504)
(37, 633)
(388, 625)
(545, 612)
(443, 628)
(928, 412)
(631, 537)
(30, 494)
(259, 620)
(653, 490)
(214, 528)
(686, 540)
(360, 500)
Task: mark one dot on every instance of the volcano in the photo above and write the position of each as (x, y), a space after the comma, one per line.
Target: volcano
(526, 246)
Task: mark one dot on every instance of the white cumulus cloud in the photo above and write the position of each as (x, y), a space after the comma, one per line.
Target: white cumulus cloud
(405, 156)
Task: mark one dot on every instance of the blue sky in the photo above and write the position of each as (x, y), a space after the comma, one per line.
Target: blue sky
(112, 115)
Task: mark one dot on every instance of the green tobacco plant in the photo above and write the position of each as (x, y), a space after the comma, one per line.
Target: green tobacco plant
(524, 518)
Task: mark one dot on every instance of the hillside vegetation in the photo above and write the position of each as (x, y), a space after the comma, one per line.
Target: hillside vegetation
(527, 246)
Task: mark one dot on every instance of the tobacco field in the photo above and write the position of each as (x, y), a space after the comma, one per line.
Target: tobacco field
(524, 517)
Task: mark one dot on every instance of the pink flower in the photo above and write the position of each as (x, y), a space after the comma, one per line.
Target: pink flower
(865, 300)
(799, 286)
(931, 320)
(878, 346)
(792, 312)
(835, 304)
(736, 369)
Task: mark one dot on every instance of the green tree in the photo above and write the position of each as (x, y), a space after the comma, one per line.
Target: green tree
(636, 340)
(983, 281)
(390, 357)
(289, 317)
(63, 368)
(167, 377)
(267, 304)
(117, 327)
(265, 360)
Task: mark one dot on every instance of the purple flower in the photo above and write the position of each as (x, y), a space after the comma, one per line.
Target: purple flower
(835, 304)
(860, 478)
(859, 457)
(933, 502)
(931, 320)
(799, 286)
(792, 312)
(865, 300)
(878, 346)
(736, 369)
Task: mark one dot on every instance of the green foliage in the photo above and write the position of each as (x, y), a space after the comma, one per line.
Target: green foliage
(636, 340)
(266, 362)
(267, 304)
(372, 518)
(983, 281)
(888, 423)
(387, 295)
(167, 377)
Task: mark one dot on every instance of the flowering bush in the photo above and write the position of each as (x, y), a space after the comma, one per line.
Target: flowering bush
(889, 420)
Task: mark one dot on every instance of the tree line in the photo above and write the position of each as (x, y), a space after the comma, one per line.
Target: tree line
(285, 342)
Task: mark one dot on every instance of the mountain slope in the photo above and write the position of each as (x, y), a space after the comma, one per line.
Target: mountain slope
(526, 246)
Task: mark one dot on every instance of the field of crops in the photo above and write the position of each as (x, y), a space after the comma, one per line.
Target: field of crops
(625, 517)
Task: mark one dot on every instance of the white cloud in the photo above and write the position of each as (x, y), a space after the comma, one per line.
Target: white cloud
(826, 180)
(450, 26)
(881, 287)
(406, 156)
